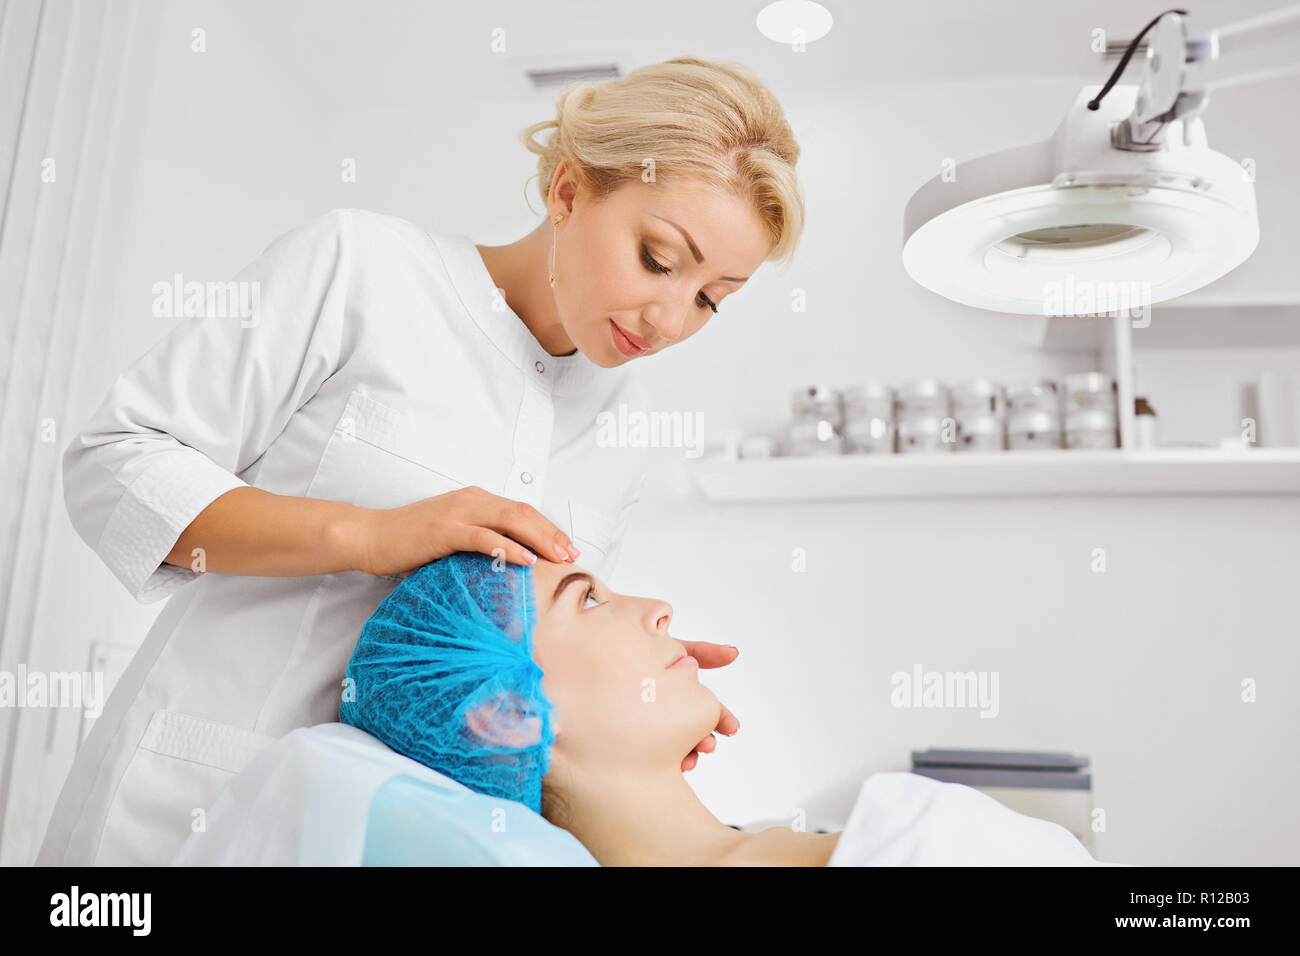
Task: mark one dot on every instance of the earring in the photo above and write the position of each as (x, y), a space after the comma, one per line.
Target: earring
(557, 220)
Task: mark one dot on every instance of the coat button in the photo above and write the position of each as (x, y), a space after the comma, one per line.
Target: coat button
(526, 477)
(539, 366)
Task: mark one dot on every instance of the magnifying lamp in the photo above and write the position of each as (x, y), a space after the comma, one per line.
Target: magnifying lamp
(1125, 205)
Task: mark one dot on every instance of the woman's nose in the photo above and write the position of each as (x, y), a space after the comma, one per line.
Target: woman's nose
(667, 322)
(660, 614)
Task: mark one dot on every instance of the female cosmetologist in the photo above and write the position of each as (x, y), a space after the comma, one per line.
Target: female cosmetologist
(398, 396)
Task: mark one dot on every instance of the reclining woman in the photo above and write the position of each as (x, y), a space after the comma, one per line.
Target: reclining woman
(542, 686)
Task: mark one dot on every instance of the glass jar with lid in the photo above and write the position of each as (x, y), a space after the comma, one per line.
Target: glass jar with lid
(1036, 395)
(925, 422)
(1090, 407)
(1088, 390)
(1091, 428)
(869, 425)
(924, 397)
(979, 407)
(1033, 416)
(978, 396)
(926, 433)
(817, 421)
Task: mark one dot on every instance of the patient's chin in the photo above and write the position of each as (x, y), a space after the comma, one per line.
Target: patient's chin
(706, 711)
(710, 704)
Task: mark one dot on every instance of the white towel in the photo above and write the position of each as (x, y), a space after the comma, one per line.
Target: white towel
(905, 819)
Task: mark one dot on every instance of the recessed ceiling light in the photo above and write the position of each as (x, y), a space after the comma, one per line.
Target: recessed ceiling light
(794, 21)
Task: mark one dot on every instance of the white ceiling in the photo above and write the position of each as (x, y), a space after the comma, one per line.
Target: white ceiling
(406, 52)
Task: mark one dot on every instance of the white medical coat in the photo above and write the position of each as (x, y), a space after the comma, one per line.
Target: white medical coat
(381, 367)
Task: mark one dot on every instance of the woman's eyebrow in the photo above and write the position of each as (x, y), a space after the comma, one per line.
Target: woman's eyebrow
(695, 251)
(569, 579)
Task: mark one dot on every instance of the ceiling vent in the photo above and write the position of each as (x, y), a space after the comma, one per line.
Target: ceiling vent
(543, 80)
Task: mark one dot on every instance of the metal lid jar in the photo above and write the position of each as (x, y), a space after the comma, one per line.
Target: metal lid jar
(869, 426)
(978, 397)
(979, 406)
(817, 421)
(926, 396)
(925, 422)
(1089, 405)
(1033, 416)
(1088, 390)
(926, 433)
(981, 433)
(1037, 395)
(1091, 428)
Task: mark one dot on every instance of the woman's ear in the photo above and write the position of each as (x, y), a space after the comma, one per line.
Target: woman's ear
(505, 726)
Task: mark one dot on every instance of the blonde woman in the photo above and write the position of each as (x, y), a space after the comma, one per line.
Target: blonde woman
(398, 395)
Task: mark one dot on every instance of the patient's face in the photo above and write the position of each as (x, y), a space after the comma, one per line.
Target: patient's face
(606, 660)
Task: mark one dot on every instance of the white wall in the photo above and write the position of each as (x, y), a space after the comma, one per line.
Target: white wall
(1138, 667)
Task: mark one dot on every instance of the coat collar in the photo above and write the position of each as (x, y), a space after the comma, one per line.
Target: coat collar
(567, 374)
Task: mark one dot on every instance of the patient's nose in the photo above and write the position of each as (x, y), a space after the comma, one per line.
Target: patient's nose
(659, 614)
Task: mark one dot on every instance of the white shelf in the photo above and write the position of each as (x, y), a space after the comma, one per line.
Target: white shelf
(1164, 471)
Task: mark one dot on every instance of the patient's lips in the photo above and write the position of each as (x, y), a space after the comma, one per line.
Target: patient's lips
(684, 661)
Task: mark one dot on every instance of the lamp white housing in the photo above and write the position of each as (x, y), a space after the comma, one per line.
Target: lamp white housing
(1072, 225)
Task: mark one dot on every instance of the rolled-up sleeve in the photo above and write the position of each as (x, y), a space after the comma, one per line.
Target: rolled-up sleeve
(177, 427)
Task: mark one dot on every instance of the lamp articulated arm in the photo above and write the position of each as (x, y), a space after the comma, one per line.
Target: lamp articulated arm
(1182, 67)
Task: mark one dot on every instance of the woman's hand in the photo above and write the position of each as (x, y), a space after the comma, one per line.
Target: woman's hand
(711, 655)
(392, 540)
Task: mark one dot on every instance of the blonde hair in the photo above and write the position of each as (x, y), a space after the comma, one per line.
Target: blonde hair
(697, 120)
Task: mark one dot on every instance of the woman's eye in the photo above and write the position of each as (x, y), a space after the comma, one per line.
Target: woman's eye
(654, 265)
(591, 591)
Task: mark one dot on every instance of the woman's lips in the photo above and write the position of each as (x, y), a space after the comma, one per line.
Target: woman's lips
(625, 341)
(684, 661)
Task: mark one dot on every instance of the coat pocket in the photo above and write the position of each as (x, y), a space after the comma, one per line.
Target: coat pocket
(202, 741)
(375, 458)
(177, 771)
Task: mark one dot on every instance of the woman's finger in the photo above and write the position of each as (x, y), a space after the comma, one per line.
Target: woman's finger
(486, 541)
(727, 722)
(711, 655)
(689, 761)
(525, 524)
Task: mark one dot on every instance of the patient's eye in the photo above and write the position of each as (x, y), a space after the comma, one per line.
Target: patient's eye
(590, 596)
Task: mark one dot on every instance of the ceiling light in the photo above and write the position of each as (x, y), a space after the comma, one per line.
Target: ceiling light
(795, 22)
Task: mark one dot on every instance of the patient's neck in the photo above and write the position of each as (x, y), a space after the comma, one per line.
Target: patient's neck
(649, 819)
(654, 818)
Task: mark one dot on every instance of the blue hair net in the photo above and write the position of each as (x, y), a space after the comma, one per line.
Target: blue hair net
(443, 672)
